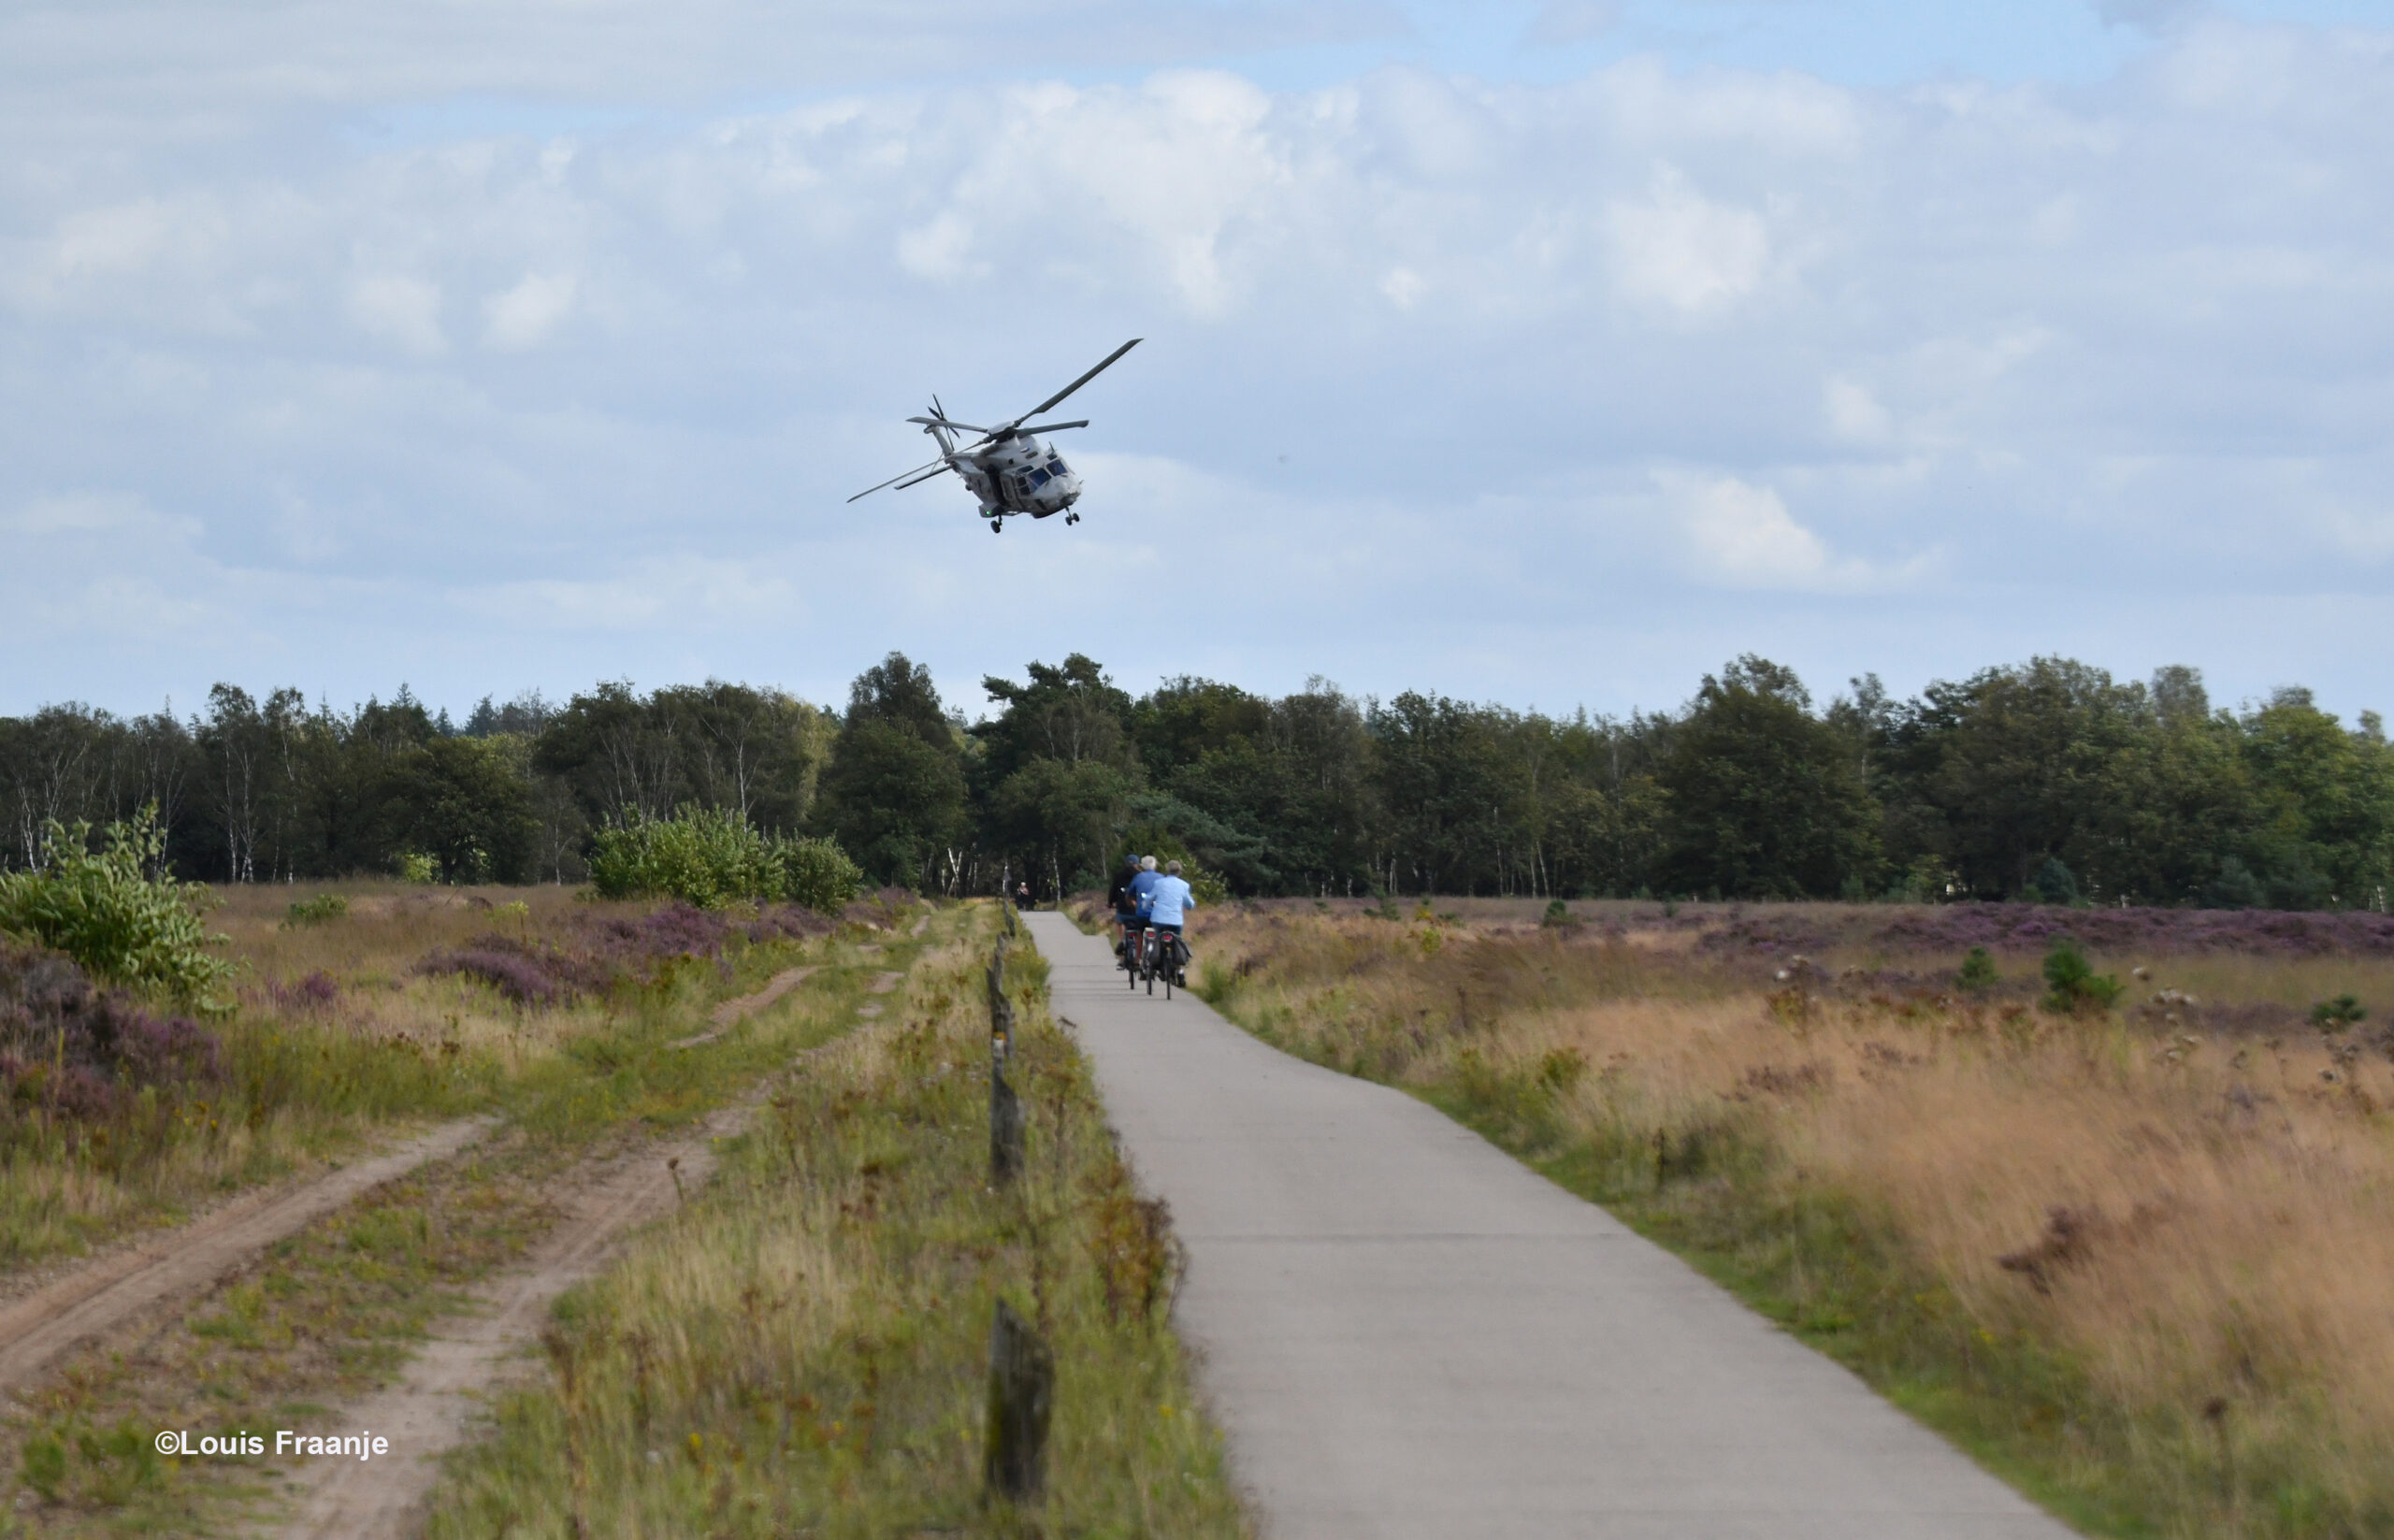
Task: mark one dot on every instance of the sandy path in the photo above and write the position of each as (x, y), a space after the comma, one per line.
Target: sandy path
(731, 1013)
(89, 1299)
(434, 1406)
(431, 1408)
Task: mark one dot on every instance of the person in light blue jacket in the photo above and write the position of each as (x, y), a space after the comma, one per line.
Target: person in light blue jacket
(1168, 903)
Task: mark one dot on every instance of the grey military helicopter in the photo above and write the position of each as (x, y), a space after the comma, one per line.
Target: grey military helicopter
(1008, 467)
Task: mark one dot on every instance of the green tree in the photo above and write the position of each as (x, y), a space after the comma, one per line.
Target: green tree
(1063, 812)
(1054, 769)
(2012, 767)
(1765, 800)
(466, 803)
(893, 795)
(1453, 801)
(2325, 829)
(1278, 801)
(1183, 719)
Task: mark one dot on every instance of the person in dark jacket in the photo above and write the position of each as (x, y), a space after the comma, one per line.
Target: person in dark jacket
(1125, 908)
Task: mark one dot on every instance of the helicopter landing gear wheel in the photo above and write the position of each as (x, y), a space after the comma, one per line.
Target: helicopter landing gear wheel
(1072, 518)
(997, 527)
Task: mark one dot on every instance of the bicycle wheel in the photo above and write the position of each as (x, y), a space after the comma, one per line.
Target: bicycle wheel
(1131, 946)
(1148, 962)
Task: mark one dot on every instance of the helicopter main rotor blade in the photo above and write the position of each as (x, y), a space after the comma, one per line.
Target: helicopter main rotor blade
(1049, 404)
(940, 464)
(1050, 427)
(949, 423)
(925, 474)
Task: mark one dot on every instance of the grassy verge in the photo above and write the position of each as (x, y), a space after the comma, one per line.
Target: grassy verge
(802, 1350)
(344, 1030)
(335, 1310)
(2138, 1273)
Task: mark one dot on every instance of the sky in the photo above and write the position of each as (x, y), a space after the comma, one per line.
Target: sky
(1552, 354)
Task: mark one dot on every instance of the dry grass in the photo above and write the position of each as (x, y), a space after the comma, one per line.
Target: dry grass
(373, 950)
(335, 1310)
(2191, 1228)
(377, 1047)
(802, 1350)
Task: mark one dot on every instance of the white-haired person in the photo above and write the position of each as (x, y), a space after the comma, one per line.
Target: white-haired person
(1169, 902)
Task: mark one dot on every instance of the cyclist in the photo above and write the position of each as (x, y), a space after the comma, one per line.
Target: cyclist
(1126, 908)
(1142, 883)
(1168, 905)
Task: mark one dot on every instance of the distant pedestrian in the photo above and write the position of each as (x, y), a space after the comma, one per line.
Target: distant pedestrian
(1022, 897)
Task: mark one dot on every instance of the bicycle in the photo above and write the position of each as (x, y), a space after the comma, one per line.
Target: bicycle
(1156, 960)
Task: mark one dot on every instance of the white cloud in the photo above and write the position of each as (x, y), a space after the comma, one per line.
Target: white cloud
(684, 592)
(99, 513)
(941, 250)
(122, 239)
(527, 314)
(400, 310)
(1853, 412)
(1677, 249)
(1742, 535)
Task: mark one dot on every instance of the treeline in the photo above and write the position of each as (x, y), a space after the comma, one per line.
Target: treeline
(273, 789)
(2048, 779)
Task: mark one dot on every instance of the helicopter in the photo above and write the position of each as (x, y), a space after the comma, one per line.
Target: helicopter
(1008, 469)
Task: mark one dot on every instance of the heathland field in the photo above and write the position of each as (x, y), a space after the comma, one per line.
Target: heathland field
(697, 1201)
(2107, 1196)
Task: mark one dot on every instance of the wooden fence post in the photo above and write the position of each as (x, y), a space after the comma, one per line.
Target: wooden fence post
(1023, 1385)
(1005, 1108)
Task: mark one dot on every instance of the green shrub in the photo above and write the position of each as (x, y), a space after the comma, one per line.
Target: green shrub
(2334, 1016)
(2073, 983)
(414, 866)
(1557, 913)
(105, 912)
(316, 911)
(816, 873)
(711, 858)
(1978, 974)
(1206, 888)
(2054, 882)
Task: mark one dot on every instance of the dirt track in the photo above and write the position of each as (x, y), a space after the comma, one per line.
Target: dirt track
(433, 1407)
(732, 1011)
(89, 1299)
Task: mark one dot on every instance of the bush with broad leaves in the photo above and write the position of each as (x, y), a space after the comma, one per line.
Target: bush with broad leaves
(107, 912)
(712, 858)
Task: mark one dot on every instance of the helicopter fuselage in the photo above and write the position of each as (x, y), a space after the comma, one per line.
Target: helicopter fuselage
(1020, 475)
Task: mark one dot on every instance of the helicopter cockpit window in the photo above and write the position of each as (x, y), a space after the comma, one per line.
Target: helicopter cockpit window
(1039, 478)
(1055, 465)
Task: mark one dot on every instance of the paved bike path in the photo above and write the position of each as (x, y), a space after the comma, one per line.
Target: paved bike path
(1405, 1332)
